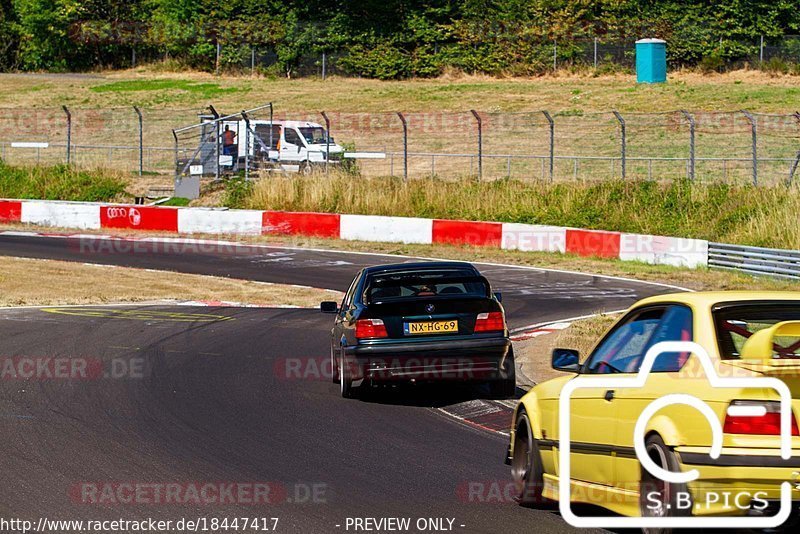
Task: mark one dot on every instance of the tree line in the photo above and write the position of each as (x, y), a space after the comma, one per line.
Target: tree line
(377, 38)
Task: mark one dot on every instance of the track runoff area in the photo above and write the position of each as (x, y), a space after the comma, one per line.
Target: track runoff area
(197, 416)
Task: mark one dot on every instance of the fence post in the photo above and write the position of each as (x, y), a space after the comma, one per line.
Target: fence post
(624, 144)
(246, 146)
(480, 143)
(327, 139)
(252, 61)
(216, 141)
(69, 133)
(141, 139)
(216, 62)
(793, 168)
(796, 162)
(271, 129)
(405, 146)
(552, 126)
(595, 53)
(175, 137)
(692, 129)
(761, 51)
(754, 135)
(324, 65)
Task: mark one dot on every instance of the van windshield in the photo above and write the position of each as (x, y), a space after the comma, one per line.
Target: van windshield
(314, 135)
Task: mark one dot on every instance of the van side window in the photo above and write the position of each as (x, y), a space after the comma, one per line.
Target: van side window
(292, 137)
(269, 135)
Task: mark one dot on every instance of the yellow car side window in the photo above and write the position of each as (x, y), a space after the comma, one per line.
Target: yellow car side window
(623, 349)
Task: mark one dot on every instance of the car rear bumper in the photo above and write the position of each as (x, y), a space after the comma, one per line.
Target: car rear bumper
(478, 359)
(739, 479)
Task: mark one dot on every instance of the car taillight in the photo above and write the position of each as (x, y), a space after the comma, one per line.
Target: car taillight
(756, 418)
(370, 328)
(490, 322)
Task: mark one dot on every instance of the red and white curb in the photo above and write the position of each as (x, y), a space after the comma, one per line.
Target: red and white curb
(495, 415)
(485, 415)
(541, 331)
(506, 236)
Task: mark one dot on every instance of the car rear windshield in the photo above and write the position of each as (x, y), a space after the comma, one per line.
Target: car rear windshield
(398, 286)
(736, 323)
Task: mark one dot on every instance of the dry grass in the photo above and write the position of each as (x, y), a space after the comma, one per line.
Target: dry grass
(564, 91)
(46, 282)
(760, 216)
(137, 186)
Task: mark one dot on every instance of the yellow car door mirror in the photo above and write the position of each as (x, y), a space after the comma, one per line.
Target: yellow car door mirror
(567, 360)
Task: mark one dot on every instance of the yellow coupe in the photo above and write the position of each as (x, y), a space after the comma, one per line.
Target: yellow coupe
(745, 334)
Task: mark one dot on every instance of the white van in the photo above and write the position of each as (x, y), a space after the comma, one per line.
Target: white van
(293, 146)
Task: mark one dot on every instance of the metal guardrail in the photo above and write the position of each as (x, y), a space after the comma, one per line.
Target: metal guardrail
(755, 260)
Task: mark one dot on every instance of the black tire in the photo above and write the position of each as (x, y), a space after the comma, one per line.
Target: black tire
(506, 388)
(658, 498)
(305, 169)
(334, 368)
(527, 471)
(345, 382)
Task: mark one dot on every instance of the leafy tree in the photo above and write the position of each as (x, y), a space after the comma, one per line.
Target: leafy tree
(8, 36)
(380, 38)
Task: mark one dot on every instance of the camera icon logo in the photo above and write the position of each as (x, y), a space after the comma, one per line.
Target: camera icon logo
(640, 429)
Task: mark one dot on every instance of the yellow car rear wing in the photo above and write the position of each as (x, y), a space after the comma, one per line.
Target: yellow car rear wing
(762, 346)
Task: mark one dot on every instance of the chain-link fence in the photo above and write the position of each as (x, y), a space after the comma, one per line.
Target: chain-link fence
(601, 53)
(735, 147)
(709, 146)
(126, 139)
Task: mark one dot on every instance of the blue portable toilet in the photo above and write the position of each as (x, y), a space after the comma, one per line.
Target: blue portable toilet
(651, 61)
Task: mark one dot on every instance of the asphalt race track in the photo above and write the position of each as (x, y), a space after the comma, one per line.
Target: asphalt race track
(529, 295)
(191, 396)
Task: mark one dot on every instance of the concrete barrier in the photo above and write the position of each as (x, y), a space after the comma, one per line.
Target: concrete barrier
(507, 236)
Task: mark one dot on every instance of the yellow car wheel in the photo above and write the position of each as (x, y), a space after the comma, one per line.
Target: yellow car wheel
(658, 498)
(526, 464)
